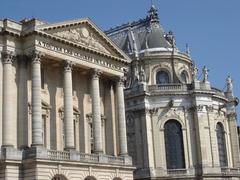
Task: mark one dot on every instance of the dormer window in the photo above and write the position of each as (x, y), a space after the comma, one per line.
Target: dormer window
(162, 77)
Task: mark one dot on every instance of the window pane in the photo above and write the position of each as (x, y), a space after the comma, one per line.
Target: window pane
(174, 145)
(162, 77)
(221, 146)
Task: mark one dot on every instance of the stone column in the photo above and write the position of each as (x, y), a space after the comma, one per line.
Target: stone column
(8, 121)
(121, 118)
(37, 138)
(68, 107)
(96, 112)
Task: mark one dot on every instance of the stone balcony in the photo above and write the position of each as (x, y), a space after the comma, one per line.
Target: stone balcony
(53, 155)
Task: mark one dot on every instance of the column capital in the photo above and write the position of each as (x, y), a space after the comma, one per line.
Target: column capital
(36, 56)
(121, 80)
(8, 57)
(68, 65)
(96, 73)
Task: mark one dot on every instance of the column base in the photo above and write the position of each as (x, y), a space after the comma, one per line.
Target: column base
(69, 149)
(98, 152)
(36, 145)
(7, 146)
(124, 155)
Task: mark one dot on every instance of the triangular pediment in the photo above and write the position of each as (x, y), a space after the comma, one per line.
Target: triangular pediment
(86, 34)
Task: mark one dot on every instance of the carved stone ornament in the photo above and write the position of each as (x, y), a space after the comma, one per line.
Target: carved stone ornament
(36, 56)
(8, 57)
(96, 73)
(121, 80)
(68, 65)
(82, 36)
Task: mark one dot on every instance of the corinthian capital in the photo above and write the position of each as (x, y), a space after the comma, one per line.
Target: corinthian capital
(68, 65)
(96, 73)
(36, 56)
(8, 57)
(121, 80)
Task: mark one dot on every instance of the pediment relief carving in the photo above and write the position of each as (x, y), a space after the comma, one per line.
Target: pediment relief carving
(83, 36)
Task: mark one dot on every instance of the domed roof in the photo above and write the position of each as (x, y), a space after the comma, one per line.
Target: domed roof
(155, 39)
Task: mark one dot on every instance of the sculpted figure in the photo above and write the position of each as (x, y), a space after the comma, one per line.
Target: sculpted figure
(205, 74)
(229, 84)
(195, 72)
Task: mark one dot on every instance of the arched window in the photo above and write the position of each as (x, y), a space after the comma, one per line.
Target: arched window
(174, 145)
(184, 76)
(162, 77)
(221, 145)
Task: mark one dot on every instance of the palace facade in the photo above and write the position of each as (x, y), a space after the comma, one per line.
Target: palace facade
(178, 126)
(62, 114)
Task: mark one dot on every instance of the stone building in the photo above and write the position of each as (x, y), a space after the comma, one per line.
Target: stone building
(177, 125)
(62, 114)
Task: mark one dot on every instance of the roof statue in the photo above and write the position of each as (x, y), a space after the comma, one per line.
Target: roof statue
(205, 72)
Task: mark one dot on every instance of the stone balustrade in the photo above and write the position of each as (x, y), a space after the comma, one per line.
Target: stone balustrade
(167, 87)
(72, 155)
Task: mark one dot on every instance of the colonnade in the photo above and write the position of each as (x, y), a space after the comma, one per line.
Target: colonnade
(37, 129)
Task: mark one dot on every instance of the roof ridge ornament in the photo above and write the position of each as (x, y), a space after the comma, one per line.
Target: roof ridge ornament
(153, 14)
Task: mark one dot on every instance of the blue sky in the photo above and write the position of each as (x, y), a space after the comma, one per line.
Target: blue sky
(210, 27)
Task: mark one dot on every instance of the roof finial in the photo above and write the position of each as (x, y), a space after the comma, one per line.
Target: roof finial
(153, 13)
(151, 3)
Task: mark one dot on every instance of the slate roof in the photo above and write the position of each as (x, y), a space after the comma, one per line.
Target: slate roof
(139, 35)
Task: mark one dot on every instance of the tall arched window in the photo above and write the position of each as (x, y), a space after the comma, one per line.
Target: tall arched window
(221, 145)
(174, 145)
(184, 76)
(162, 77)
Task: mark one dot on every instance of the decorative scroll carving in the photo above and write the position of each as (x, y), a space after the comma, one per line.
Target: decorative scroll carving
(8, 57)
(82, 36)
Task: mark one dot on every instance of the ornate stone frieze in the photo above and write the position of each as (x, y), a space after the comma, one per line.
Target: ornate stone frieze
(82, 36)
(8, 57)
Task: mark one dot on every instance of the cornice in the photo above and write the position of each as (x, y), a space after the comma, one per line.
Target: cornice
(93, 26)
